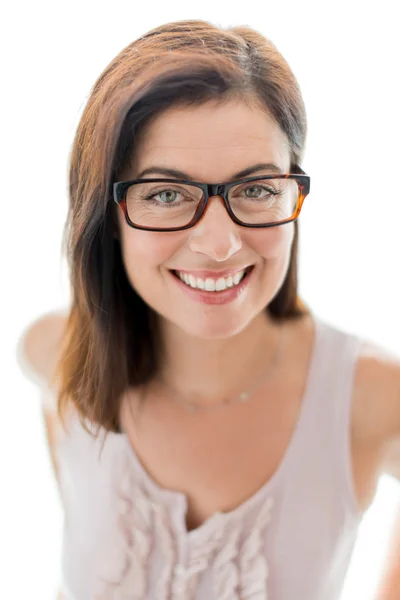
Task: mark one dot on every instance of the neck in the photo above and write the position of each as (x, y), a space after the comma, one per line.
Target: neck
(214, 369)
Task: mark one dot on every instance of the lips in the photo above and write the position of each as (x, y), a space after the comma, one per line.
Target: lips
(212, 284)
(214, 296)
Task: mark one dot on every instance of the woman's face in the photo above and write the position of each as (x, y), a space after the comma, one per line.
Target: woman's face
(210, 143)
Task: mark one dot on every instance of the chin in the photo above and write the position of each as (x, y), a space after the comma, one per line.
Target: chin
(217, 328)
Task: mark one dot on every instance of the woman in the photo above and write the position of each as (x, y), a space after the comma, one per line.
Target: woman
(219, 440)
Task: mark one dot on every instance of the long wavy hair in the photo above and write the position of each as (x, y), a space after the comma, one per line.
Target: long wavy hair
(110, 336)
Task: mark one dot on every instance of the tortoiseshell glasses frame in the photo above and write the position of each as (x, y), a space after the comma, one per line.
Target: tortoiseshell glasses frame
(215, 189)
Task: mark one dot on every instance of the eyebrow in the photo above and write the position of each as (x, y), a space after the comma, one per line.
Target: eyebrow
(181, 175)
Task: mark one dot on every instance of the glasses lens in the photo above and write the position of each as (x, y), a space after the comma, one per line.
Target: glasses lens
(264, 201)
(162, 204)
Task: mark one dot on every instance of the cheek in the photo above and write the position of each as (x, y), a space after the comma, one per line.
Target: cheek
(274, 243)
(145, 251)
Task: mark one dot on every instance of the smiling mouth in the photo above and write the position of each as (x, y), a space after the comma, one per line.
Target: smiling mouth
(213, 284)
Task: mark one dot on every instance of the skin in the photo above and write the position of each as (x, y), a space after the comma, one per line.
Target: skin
(206, 344)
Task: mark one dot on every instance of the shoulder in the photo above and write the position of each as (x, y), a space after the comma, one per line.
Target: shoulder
(377, 392)
(39, 345)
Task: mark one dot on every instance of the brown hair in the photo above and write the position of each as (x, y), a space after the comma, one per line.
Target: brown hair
(110, 337)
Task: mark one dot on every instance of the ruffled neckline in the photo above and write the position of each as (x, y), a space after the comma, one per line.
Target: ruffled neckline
(231, 555)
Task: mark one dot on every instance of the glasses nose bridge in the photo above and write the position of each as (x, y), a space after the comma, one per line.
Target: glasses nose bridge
(216, 189)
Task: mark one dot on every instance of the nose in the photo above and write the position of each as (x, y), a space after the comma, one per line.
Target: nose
(215, 235)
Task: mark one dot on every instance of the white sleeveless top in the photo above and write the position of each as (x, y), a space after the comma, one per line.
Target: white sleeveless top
(125, 538)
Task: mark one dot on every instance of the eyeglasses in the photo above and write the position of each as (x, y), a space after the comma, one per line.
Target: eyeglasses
(176, 204)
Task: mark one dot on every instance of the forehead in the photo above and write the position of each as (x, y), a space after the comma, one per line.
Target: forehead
(212, 140)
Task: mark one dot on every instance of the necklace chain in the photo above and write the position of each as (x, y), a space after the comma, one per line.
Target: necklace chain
(193, 407)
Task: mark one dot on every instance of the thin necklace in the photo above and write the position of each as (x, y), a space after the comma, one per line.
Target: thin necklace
(194, 407)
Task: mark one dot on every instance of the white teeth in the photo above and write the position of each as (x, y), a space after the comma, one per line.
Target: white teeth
(236, 278)
(220, 285)
(209, 285)
(212, 285)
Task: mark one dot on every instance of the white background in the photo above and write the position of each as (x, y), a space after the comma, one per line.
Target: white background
(346, 59)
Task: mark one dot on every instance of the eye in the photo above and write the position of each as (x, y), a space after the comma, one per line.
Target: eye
(254, 191)
(260, 189)
(168, 199)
